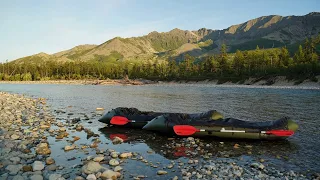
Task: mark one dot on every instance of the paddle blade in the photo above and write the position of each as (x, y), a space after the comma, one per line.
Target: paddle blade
(184, 130)
(119, 120)
(281, 132)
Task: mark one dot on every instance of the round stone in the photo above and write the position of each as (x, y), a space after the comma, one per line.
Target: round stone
(49, 160)
(91, 177)
(36, 177)
(118, 168)
(162, 172)
(114, 162)
(37, 166)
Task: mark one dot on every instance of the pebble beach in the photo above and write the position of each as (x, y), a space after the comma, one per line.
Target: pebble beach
(27, 124)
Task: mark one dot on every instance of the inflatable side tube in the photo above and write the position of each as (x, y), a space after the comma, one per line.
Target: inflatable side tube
(141, 118)
(164, 124)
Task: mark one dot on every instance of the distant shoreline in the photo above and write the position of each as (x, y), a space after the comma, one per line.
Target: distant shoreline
(276, 81)
(84, 82)
(279, 81)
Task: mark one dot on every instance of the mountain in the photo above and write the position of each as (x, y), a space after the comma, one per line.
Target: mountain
(75, 52)
(266, 32)
(36, 58)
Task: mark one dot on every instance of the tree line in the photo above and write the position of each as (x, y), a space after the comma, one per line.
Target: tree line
(223, 66)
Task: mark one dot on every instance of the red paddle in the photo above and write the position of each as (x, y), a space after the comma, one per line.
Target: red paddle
(120, 120)
(186, 130)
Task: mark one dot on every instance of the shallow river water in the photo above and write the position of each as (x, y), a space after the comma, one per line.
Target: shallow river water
(300, 152)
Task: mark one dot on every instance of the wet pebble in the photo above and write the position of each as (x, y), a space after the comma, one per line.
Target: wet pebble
(125, 155)
(99, 109)
(118, 168)
(162, 172)
(19, 177)
(257, 166)
(98, 158)
(79, 178)
(113, 162)
(114, 154)
(69, 148)
(15, 160)
(14, 169)
(109, 174)
(170, 166)
(117, 140)
(37, 166)
(26, 168)
(36, 177)
(91, 177)
(56, 177)
(15, 137)
(91, 167)
(43, 149)
(51, 167)
(50, 160)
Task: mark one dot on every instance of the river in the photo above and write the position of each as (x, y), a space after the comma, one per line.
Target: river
(300, 152)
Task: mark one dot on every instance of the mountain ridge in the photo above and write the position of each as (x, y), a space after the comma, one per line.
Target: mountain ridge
(265, 31)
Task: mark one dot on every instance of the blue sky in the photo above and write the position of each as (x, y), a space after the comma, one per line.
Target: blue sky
(33, 26)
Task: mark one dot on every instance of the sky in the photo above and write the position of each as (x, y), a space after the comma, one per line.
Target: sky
(33, 26)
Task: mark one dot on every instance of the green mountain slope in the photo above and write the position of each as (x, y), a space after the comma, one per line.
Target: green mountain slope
(266, 32)
(262, 43)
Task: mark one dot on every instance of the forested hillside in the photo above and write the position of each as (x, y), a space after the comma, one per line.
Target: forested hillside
(223, 66)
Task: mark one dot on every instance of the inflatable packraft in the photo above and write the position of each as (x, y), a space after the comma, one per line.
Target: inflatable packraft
(134, 118)
(225, 128)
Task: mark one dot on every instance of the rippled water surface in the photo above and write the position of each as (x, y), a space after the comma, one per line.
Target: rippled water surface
(300, 152)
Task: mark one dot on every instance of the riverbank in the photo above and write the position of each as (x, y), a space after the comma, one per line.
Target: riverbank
(34, 144)
(279, 81)
(84, 82)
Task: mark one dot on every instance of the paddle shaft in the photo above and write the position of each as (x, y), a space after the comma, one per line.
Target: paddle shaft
(223, 130)
(233, 131)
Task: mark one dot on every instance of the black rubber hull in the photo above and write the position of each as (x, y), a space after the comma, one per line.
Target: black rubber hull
(141, 118)
(164, 124)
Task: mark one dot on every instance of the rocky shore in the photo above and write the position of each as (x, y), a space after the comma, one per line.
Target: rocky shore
(29, 134)
(25, 125)
(278, 81)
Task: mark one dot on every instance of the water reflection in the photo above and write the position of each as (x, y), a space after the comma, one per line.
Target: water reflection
(175, 147)
(158, 144)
